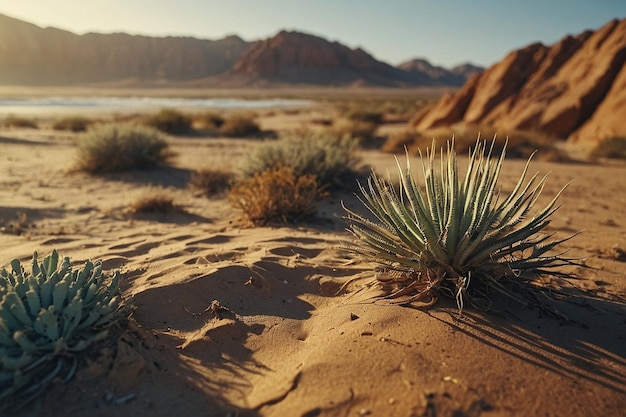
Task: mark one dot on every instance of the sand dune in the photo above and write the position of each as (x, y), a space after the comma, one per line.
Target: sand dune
(231, 321)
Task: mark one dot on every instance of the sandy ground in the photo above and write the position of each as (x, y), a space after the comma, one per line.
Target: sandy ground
(283, 344)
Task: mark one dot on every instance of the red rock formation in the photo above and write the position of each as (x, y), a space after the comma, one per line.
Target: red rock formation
(573, 89)
(293, 57)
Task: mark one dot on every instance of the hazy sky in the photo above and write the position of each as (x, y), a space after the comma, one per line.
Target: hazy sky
(446, 32)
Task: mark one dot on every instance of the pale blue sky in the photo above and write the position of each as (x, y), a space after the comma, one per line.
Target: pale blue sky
(446, 32)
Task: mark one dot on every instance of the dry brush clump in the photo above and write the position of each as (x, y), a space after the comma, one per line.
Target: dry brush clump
(210, 182)
(333, 160)
(169, 121)
(113, 147)
(209, 120)
(153, 200)
(72, 123)
(48, 316)
(520, 144)
(276, 195)
(614, 148)
(457, 235)
(239, 125)
(20, 122)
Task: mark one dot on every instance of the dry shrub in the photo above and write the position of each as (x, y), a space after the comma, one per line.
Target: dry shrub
(362, 130)
(72, 123)
(239, 125)
(614, 148)
(15, 227)
(362, 115)
(521, 144)
(115, 147)
(209, 120)
(21, 122)
(277, 194)
(333, 160)
(169, 121)
(210, 181)
(153, 200)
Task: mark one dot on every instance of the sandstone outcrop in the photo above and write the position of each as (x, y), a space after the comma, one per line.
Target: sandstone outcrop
(573, 89)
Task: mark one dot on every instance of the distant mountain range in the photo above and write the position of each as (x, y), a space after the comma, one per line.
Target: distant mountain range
(574, 89)
(31, 55)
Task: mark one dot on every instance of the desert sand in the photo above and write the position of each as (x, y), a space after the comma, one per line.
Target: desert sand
(282, 341)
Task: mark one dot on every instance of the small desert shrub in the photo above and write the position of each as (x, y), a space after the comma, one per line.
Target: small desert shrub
(73, 123)
(47, 317)
(333, 160)
(361, 115)
(210, 181)
(457, 234)
(610, 148)
(239, 125)
(519, 144)
(277, 194)
(153, 200)
(364, 131)
(209, 120)
(16, 226)
(169, 121)
(18, 121)
(115, 147)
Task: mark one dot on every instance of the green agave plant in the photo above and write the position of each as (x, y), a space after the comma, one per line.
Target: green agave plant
(459, 235)
(46, 316)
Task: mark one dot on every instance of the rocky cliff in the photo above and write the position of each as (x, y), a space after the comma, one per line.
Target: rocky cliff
(573, 89)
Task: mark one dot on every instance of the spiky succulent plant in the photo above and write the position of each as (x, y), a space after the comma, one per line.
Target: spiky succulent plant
(458, 235)
(46, 316)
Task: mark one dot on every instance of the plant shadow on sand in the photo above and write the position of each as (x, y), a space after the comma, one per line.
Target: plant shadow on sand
(165, 176)
(589, 345)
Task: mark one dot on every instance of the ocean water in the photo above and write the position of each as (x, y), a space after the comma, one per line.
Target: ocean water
(59, 104)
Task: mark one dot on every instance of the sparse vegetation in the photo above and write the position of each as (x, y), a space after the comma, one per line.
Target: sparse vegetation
(210, 181)
(15, 226)
(72, 123)
(153, 200)
(456, 236)
(239, 125)
(519, 144)
(209, 120)
(333, 160)
(614, 148)
(116, 147)
(275, 195)
(391, 109)
(364, 131)
(47, 317)
(170, 121)
(362, 115)
(20, 122)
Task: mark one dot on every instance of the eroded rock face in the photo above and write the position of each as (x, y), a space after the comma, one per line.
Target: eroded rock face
(572, 89)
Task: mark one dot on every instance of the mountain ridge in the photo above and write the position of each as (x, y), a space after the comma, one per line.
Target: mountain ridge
(32, 55)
